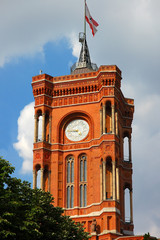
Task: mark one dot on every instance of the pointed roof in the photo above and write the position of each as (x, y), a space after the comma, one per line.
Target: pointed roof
(84, 64)
(84, 54)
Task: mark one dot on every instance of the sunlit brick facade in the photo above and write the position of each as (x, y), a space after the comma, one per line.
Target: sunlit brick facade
(81, 123)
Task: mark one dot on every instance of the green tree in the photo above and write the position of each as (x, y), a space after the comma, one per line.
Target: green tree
(29, 214)
(147, 236)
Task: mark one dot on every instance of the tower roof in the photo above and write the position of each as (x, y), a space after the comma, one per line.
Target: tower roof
(84, 64)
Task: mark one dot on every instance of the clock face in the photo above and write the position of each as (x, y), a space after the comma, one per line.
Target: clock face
(77, 130)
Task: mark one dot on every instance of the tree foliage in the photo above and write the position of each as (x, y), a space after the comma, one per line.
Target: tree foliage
(29, 214)
(147, 236)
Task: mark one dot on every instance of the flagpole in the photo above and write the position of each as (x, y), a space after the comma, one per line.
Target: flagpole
(85, 18)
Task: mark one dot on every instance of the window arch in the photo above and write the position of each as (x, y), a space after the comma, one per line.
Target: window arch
(70, 182)
(83, 180)
(46, 180)
(38, 176)
(126, 147)
(42, 126)
(39, 126)
(127, 204)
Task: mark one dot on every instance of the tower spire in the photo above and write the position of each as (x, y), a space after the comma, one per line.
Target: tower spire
(84, 64)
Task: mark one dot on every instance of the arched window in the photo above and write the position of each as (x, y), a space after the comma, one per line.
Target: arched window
(126, 147)
(127, 204)
(46, 179)
(70, 182)
(83, 180)
(38, 176)
(39, 126)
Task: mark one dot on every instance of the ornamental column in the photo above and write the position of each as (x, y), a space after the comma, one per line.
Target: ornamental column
(104, 180)
(114, 179)
(43, 126)
(104, 118)
(131, 206)
(113, 119)
(35, 128)
(117, 182)
(50, 121)
(101, 182)
(42, 178)
(116, 116)
(101, 121)
(34, 179)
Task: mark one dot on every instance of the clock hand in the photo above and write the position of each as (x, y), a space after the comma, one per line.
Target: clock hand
(76, 130)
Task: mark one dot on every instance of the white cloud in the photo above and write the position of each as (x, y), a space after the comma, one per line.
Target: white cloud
(24, 145)
(74, 44)
(146, 152)
(29, 25)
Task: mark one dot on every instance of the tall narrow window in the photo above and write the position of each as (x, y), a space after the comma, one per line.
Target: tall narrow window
(72, 171)
(72, 196)
(109, 190)
(83, 180)
(108, 118)
(70, 182)
(46, 179)
(40, 128)
(85, 194)
(126, 146)
(127, 205)
(81, 195)
(38, 176)
(68, 172)
(126, 149)
(68, 197)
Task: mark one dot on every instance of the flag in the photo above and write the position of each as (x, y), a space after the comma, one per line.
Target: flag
(92, 23)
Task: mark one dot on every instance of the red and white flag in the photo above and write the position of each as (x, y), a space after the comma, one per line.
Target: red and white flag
(92, 23)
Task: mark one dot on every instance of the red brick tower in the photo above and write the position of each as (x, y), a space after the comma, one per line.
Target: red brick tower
(83, 119)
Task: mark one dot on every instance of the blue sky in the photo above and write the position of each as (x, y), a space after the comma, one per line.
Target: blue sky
(16, 92)
(37, 34)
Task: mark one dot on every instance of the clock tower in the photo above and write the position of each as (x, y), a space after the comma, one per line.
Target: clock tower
(82, 145)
